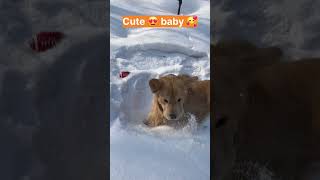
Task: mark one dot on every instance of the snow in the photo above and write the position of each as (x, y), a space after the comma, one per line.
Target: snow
(136, 151)
(23, 19)
(291, 25)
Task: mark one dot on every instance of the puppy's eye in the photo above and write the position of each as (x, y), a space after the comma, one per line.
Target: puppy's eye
(179, 99)
(165, 100)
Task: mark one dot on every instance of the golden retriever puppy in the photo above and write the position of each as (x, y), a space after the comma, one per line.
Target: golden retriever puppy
(282, 122)
(270, 109)
(174, 96)
(234, 63)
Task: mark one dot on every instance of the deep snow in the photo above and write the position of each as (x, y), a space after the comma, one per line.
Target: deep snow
(291, 25)
(138, 152)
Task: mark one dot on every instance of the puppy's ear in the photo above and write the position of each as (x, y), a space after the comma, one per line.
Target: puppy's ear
(188, 79)
(155, 85)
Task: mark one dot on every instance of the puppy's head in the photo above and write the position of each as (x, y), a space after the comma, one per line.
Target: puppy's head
(170, 95)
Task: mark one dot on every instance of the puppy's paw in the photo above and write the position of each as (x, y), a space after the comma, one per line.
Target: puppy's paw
(147, 123)
(151, 123)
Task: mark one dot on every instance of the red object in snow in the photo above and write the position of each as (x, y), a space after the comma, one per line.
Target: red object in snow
(45, 40)
(124, 74)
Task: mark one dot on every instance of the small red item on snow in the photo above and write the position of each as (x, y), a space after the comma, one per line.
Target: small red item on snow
(124, 74)
(45, 40)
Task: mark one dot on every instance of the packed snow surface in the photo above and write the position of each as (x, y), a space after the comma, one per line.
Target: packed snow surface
(136, 151)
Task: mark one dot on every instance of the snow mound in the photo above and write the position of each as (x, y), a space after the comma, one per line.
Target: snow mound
(136, 151)
(291, 25)
(159, 7)
(159, 153)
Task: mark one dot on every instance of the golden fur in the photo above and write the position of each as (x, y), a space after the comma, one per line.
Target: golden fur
(272, 107)
(174, 96)
(283, 117)
(234, 62)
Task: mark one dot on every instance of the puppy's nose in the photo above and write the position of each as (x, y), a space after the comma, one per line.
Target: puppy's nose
(173, 116)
